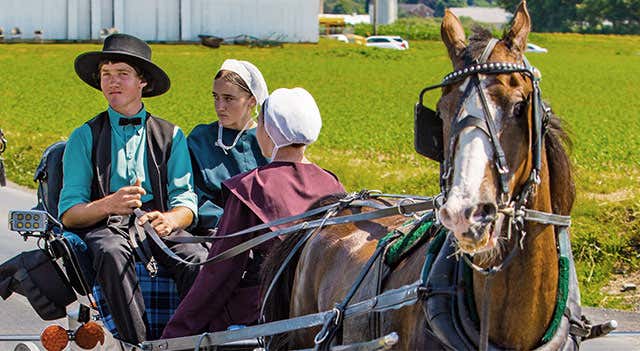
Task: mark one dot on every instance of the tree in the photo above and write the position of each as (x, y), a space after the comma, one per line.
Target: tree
(624, 15)
(344, 6)
(548, 15)
(439, 10)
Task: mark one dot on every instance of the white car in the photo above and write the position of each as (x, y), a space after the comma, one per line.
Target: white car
(534, 48)
(339, 37)
(388, 42)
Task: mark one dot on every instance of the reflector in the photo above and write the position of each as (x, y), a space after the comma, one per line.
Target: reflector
(54, 338)
(88, 335)
(28, 221)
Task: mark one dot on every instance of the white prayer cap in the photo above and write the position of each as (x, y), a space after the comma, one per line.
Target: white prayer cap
(291, 116)
(251, 75)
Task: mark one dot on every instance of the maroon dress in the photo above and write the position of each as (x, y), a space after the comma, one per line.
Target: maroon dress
(220, 296)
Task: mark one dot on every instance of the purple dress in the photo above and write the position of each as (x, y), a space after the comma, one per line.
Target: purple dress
(220, 296)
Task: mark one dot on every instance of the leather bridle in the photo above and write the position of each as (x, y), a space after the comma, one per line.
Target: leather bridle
(514, 208)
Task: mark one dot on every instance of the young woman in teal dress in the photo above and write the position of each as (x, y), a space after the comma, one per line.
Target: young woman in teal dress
(228, 146)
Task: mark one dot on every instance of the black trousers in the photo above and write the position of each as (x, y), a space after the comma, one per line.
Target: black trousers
(114, 265)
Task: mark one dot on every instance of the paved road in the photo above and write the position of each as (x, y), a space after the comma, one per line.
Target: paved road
(17, 317)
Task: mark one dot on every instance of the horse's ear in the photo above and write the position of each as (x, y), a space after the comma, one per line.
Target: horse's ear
(516, 38)
(453, 37)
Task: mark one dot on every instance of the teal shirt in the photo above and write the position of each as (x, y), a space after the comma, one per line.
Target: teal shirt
(212, 166)
(128, 162)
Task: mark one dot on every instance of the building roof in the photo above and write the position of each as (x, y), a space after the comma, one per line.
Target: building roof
(494, 15)
(420, 9)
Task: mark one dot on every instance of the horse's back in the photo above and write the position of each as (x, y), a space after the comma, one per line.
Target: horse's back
(328, 267)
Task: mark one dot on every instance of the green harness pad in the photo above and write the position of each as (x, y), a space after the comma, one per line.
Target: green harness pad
(405, 243)
(561, 303)
(425, 230)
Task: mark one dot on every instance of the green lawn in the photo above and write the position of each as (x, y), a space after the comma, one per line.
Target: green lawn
(366, 97)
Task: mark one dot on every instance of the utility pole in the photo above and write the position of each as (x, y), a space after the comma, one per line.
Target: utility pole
(375, 16)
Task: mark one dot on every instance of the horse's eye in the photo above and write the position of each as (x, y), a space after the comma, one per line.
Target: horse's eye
(519, 108)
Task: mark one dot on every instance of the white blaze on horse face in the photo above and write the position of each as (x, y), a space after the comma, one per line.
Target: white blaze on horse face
(473, 154)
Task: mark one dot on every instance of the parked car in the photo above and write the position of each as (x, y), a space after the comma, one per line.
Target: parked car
(339, 37)
(388, 42)
(535, 48)
(356, 39)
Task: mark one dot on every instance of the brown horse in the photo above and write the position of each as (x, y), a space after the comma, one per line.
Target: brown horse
(478, 199)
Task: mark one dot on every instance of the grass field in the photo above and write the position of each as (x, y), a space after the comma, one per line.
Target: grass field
(366, 97)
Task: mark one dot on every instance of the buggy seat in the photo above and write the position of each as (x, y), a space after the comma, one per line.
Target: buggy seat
(159, 292)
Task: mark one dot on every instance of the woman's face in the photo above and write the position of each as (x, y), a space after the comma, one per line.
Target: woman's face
(233, 104)
(265, 142)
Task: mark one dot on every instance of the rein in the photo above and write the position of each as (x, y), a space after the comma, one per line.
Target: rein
(406, 208)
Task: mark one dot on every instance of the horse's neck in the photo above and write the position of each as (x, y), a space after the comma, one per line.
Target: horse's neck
(522, 298)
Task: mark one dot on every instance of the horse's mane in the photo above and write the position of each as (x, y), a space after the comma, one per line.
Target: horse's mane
(557, 140)
(282, 288)
(557, 144)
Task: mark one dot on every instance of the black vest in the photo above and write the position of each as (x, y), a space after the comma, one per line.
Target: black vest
(158, 148)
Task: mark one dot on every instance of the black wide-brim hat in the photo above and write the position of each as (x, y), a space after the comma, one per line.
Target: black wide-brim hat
(123, 48)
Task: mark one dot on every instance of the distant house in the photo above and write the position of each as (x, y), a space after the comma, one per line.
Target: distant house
(491, 15)
(415, 10)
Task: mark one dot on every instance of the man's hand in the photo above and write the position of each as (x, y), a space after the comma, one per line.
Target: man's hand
(123, 201)
(161, 222)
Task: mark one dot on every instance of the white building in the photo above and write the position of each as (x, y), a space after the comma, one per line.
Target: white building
(386, 11)
(163, 20)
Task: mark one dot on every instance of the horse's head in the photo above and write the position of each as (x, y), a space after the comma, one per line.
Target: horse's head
(489, 133)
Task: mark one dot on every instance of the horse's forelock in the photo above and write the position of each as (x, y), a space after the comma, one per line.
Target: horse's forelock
(477, 42)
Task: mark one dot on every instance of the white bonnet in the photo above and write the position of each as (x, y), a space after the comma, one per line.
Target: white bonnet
(251, 75)
(291, 116)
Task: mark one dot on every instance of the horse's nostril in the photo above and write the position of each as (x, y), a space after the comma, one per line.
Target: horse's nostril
(483, 212)
(445, 216)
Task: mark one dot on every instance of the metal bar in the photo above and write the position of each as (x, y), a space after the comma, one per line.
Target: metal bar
(392, 299)
(383, 343)
(18, 337)
(547, 218)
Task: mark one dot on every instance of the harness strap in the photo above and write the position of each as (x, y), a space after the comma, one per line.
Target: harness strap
(484, 327)
(501, 159)
(149, 262)
(487, 50)
(3, 146)
(334, 320)
(286, 261)
(144, 253)
(347, 202)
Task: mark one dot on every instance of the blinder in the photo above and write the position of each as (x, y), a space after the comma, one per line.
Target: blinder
(428, 126)
(427, 132)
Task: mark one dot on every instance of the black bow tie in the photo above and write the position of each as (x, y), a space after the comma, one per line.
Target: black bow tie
(133, 121)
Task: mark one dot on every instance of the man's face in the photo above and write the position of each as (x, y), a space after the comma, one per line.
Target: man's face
(122, 87)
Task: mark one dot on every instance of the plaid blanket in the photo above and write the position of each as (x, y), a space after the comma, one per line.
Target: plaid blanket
(160, 299)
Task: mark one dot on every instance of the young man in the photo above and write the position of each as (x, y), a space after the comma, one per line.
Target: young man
(125, 158)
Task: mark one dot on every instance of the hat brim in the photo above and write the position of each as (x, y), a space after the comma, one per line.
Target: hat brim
(86, 66)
